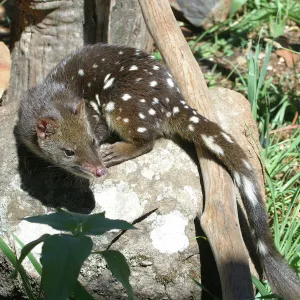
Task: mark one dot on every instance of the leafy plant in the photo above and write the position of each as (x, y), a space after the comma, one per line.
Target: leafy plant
(63, 254)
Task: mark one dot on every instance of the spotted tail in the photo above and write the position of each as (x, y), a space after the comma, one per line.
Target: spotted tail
(199, 130)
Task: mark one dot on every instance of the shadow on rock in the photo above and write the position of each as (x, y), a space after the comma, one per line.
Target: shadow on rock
(51, 185)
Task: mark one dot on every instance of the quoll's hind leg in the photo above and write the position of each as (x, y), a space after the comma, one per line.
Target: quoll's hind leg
(113, 154)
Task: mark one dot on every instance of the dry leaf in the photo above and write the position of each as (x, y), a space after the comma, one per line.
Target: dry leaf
(290, 58)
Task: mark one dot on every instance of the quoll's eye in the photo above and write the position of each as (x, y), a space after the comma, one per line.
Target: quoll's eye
(69, 153)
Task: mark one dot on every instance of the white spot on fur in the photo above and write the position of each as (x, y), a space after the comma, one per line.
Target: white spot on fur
(141, 116)
(186, 107)
(121, 69)
(80, 72)
(138, 79)
(153, 83)
(168, 114)
(175, 110)
(108, 83)
(262, 247)
(167, 100)
(227, 137)
(191, 127)
(170, 82)
(133, 68)
(103, 59)
(247, 165)
(110, 106)
(95, 66)
(94, 106)
(89, 84)
(126, 120)
(210, 143)
(194, 119)
(168, 234)
(126, 97)
(249, 189)
(156, 68)
(106, 78)
(121, 52)
(182, 102)
(151, 112)
(97, 98)
(143, 100)
(141, 129)
(155, 101)
(194, 112)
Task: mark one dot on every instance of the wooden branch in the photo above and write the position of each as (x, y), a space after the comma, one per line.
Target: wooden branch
(219, 219)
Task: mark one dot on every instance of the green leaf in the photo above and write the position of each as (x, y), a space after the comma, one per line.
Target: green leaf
(119, 268)
(97, 224)
(13, 259)
(31, 258)
(81, 293)
(62, 258)
(26, 250)
(271, 296)
(235, 6)
(60, 220)
(204, 288)
(262, 289)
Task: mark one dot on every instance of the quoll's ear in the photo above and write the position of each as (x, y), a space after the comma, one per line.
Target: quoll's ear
(80, 108)
(45, 127)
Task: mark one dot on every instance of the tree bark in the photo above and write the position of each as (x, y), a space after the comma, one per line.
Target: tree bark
(43, 34)
(126, 25)
(219, 219)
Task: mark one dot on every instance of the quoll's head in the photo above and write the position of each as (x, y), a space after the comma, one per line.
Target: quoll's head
(70, 143)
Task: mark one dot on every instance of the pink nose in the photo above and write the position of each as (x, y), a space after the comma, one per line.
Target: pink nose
(100, 172)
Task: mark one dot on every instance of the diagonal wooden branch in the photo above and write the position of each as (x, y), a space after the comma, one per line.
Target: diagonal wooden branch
(219, 219)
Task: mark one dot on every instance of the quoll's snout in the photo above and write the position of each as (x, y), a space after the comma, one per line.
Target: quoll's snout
(97, 171)
(100, 171)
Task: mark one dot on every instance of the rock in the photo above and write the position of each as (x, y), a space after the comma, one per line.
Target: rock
(200, 12)
(5, 63)
(163, 252)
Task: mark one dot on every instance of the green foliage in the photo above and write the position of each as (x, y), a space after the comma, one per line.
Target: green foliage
(115, 259)
(204, 288)
(264, 291)
(62, 258)
(64, 254)
(273, 14)
(14, 261)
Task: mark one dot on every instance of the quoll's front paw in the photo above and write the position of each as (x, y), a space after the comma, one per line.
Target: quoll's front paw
(111, 154)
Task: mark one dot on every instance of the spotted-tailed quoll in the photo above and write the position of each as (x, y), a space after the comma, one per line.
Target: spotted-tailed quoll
(101, 89)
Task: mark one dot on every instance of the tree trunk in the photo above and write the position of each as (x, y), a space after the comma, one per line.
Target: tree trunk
(126, 25)
(43, 33)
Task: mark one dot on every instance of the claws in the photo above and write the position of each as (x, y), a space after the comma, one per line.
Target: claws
(109, 155)
(106, 149)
